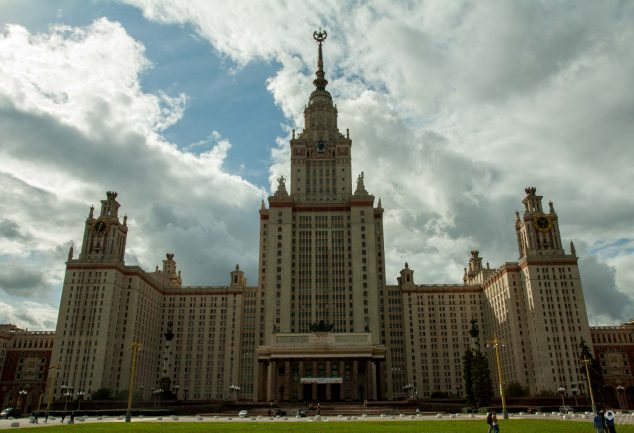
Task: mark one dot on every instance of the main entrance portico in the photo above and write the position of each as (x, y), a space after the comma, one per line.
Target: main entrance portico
(320, 367)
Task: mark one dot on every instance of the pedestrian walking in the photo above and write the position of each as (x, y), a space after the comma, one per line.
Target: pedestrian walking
(490, 422)
(72, 418)
(494, 422)
(598, 423)
(609, 421)
(63, 417)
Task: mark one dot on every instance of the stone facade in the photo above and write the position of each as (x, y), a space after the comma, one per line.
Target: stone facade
(321, 323)
(24, 364)
(613, 348)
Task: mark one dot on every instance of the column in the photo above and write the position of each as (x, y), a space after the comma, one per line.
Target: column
(301, 385)
(262, 391)
(371, 380)
(272, 385)
(379, 380)
(342, 374)
(355, 380)
(274, 380)
(314, 386)
(328, 386)
(288, 393)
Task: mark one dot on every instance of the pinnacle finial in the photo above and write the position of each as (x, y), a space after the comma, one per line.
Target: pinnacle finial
(320, 82)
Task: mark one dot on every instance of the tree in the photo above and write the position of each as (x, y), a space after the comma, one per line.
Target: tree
(594, 368)
(102, 394)
(477, 378)
(467, 360)
(482, 386)
(515, 389)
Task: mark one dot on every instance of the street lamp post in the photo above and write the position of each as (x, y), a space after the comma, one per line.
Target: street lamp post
(21, 394)
(57, 368)
(411, 391)
(619, 390)
(562, 392)
(67, 393)
(586, 361)
(233, 388)
(136, 346)
(574, 392)
(63, 388)
(156, 392)
(496, 343)
(80, 396)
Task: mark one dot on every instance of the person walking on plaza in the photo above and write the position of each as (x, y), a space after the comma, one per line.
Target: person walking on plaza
(72, 418)
(494, 422)
(609, 421)
(598, 422)
(490, 421)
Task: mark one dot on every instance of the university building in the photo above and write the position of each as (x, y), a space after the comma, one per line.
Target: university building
(322, 323)
(24, 365)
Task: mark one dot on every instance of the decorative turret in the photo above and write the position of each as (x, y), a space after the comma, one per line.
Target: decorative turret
(237, 279)
(407, 276)
(172, 277)
(475, 273)
(475, 262)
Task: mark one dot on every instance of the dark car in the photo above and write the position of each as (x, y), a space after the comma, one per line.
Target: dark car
(10, 412)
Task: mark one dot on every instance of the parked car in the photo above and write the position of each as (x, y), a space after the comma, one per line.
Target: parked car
(10, 412)
(243, 413)
(566, 409)
(301, 413)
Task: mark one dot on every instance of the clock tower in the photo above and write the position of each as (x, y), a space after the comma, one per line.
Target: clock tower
(105, 236)
(537, 231)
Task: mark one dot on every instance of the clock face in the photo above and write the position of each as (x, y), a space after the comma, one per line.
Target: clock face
(100, 227)
(320, 145)
(542, 223)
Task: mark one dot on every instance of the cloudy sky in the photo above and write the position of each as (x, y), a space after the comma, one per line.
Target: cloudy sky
(185, 108)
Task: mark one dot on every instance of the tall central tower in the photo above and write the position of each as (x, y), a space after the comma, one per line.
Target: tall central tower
(320, 155)
(321, 250)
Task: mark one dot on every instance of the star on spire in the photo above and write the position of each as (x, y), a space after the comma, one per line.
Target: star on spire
(320, 82)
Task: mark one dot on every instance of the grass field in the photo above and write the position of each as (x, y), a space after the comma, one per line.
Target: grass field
(515, 426)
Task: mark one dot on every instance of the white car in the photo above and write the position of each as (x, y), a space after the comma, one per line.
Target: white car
(243, 413)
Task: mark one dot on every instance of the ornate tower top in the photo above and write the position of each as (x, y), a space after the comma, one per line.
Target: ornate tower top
(320, 82)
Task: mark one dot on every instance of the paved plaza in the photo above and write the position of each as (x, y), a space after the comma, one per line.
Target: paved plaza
(225, 418)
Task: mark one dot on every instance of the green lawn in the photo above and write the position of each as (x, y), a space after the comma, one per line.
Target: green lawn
(453, 426)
